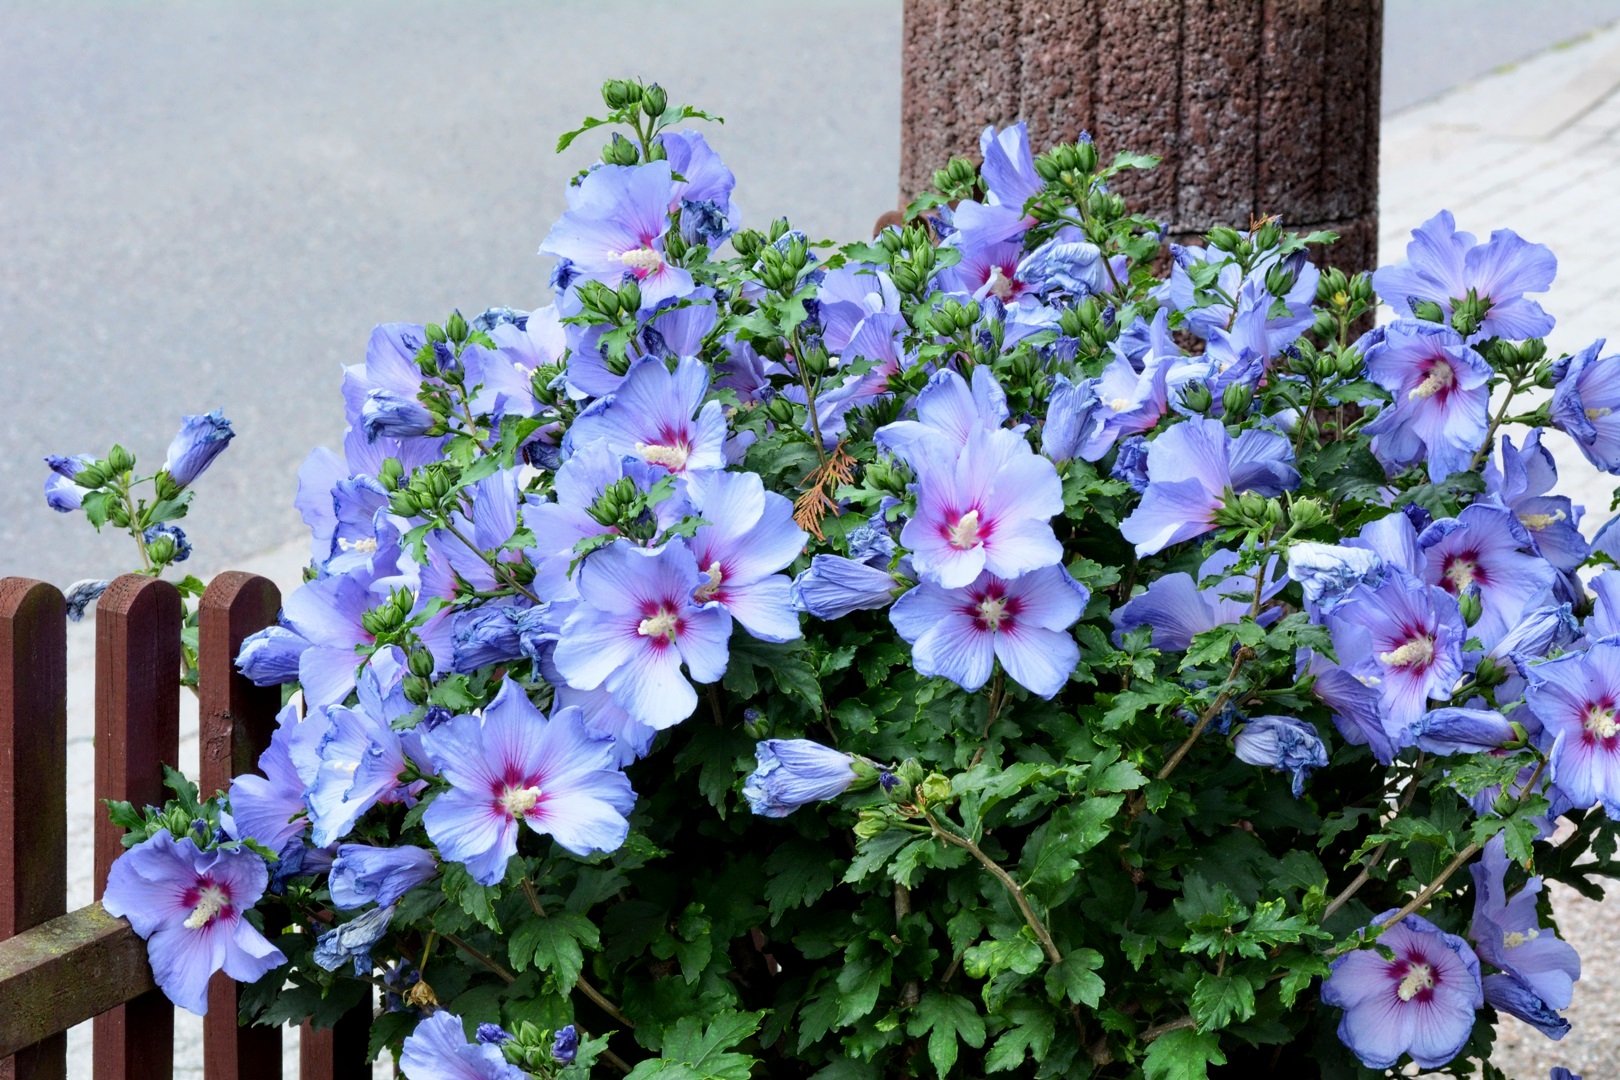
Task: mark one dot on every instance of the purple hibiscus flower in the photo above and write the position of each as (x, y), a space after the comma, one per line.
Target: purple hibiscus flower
(1441, 405)
(650, 417)
(1576, 698)
(377, 875)
(1422, 1002)
(1480, 551)
(750, 538)
(1585, 401)
(511, 763)
(1131, 401)
(1211, 312)
(188, 905)
(270, 808)
(1177, 610)
(1403, 639)
(615, 224)
(960, 633)
(989, 509)
(949, 411)
(1539, 971)
(671, 329)
(438, 1050)
(631, 738)
(795, 772)
(1190, 469)
(1443, 265)
(636, 624)
(322, 627)
(846, 296)
(1523, 483)
(199, 441)
(1464, 731)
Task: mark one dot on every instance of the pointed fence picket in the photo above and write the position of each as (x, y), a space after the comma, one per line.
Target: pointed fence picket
(58, 969)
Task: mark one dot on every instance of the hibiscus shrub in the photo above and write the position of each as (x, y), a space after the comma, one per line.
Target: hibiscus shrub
(967, 652)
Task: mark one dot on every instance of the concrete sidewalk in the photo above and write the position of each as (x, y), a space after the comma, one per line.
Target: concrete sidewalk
(1536, 149)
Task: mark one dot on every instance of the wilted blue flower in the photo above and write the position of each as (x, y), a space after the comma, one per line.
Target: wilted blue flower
(62, 494)
(1282, 743)
(1441, 398)
(565, 1045)
(270, 657)
(1072, 268)
(1442, 265)
(362, 874)
(1328, 572)
(188, 905)
(1070, 413)
(1130, 462)
(438, 1050)
(512, 763)
(795, 772)
(395, 415)
(200, 440)
(1536, 634)
(176, 535)
(353, 941)
(834, 586)
(69, 467)
(81, 594)
(1539, 970)
(494, 634)
(1024, 622)
(493, 1034)
(1422, 1002)
(1464, 731)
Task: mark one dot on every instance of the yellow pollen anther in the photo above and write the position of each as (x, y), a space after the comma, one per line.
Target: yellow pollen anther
(1600, 722)
(519, 801)
(365, 547)
(1120, 404)
(1418, 977)
(1439, 378)
(1597, 414)
(965, 533)
(707, 590)
(1415, 653)
(992, 609)
(1514, 938)
(672, 458)
(1541, 521)
(210, 902)
(642, 259)
(999, 284)
(1460, 572)
(659, 625)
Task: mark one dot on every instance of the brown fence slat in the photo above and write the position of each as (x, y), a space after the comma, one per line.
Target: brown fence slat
(65, 971)
(137, 732)
(238, 719)
(337, 1052)
(33, 786)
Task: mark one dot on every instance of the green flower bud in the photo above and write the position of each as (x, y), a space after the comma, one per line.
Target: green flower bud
(119, 460)
(815, 361)
(1223, 238)
(621, 151)
(597, 297)
(435, 333)
(1361, 289)
(161, 549)
(1471, 606)
(1266, 237)
(390, 472)
(1326, 365)
(1236, 400)
(935, 789)
(654, 101)
(1330, 284)
(421, 663)
(1307, 513)
(163, 483)
(417, 689)
(780, 410)
(872, 822)
(617, 93)
(1347, 365)
(1325, 326)
(905, 278)
(756, 724)
(455, 327)
(1196, 397)
(779, 229)
(630, 295)
(1046, 168)
(1085, 157)
(747, 243)
(404, 504)
(961, 171)
(93, 475)
(1429, 311)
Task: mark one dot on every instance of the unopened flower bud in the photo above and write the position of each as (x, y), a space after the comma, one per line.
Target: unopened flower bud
(617, 93)
(654, 100)
(1471, 606)
(1347, 365)
(1428, 311)
(1224, 238)
(630, 295)
(119, 460)
(1196, 397)
(421, 663)
(1266, 237)
(435, 333)
(872, 822)
(756, 724)
(621, 151)
(455, 327)
(417, 689)
(1085, 157)
(1235, 400)
(1307, 513)
(1329, 284)
(935, 789)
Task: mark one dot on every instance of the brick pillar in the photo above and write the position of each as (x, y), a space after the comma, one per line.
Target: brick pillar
(1256, 106)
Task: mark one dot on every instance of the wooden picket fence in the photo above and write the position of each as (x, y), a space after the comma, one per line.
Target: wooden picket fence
(57, 968)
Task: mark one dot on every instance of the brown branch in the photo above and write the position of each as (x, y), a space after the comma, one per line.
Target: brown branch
(1242, 656)
(506, 976)
(1043, 935)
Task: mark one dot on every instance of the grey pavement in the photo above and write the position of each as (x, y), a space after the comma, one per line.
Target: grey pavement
(211, 205)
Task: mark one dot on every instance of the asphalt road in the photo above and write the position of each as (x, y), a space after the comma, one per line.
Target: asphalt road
(210, 204)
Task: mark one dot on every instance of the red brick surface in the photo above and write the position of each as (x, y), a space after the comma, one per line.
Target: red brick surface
(1257, 106)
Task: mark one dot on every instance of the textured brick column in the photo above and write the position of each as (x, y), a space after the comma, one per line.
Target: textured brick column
(1257, 106)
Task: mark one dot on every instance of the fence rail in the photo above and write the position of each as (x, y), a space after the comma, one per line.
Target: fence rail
(58, 969)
